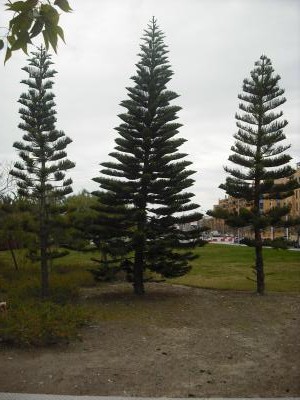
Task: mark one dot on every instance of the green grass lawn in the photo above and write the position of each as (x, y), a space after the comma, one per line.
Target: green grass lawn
(72, 268)
(32, 322)
(218, 266)
(230, 267)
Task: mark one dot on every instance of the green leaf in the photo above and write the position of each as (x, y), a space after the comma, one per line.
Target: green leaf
(21, 6)
(63, 5)
(8, 54)
(30, 4)
(21, 22)
(17, 45)
(1, 44)
(24, 48)
(11, 40)
(21, 42)
(37, 28)
(46, 40)
(52, 37)
(60, 33)
(16, 6)
(49, 14)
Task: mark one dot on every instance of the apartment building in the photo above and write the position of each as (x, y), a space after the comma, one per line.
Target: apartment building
(234, 205)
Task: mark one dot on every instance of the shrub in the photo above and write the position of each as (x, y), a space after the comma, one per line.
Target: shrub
(278, 243)
(63, 289)
(29, 321)
(107, 273)
(41, 324)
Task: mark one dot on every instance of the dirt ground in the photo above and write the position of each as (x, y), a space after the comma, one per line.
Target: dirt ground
(174, 342)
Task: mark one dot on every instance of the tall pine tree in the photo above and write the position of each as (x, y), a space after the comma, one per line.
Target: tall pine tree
(263, 172)
(41, 174)
(149, 177)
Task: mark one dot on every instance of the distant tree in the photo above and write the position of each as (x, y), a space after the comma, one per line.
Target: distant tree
(41, 173)
(110, 230)
(32, 18)
(263, 173)
(79, 216)
(145, 186)
(86, 228)
(16, 226)
(7, 182)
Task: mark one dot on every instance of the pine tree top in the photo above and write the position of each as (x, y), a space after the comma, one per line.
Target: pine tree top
(42, 151)
(262, 169)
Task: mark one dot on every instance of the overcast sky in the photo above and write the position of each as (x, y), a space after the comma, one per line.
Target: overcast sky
(213, 46)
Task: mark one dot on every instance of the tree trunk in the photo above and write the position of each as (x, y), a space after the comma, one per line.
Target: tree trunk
(44, 263)
(258, 196)
(44, 242)
(259, 265)
(11, 249)
(138, 279)
(138, 267)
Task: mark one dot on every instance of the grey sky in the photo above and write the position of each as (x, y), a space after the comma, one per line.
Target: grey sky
(213, 46)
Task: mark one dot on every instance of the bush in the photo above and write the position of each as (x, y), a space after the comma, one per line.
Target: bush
(247, 242)
(278, 243)
(62, 290)
(30, 321)
(112, 270)
(41, 324)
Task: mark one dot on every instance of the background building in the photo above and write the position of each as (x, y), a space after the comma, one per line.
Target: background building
(234, 205)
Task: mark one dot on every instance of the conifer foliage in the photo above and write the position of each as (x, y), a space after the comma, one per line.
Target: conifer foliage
(263, 172)
(146, 183)
(41, 173)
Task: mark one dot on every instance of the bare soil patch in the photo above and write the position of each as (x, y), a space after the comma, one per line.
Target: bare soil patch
(175, 342)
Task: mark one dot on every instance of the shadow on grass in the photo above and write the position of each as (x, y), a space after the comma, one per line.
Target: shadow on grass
(122, 293)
